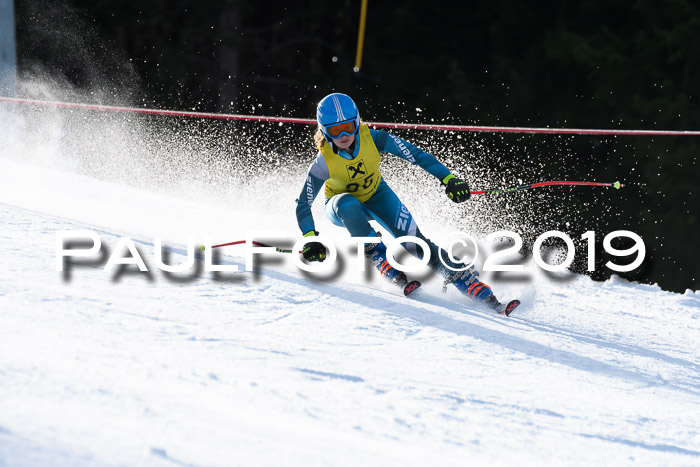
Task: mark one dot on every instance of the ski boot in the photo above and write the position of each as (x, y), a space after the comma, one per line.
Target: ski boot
(376, 252)
(466, 282)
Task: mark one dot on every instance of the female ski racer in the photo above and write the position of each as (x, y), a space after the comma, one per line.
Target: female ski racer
(347, 164)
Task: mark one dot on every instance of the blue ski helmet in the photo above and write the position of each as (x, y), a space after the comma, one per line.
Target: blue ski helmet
(335, 109)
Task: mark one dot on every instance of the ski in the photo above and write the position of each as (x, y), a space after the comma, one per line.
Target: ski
(506, 309)
(402, 281)
(410, 287)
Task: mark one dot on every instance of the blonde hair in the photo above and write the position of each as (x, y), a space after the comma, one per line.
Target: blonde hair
(319, 138)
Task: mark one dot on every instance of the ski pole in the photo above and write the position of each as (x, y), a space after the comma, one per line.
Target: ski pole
(239, 242)
(616, 185)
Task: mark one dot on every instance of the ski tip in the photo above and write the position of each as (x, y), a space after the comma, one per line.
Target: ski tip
(508, 308)
(410, 287)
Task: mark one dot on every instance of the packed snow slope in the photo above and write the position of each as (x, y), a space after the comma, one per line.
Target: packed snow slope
(279, 367)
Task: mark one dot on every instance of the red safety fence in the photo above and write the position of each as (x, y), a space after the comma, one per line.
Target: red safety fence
(308, 121)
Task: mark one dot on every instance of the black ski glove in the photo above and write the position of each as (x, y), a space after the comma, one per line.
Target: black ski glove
(313, 251)
(457, 190)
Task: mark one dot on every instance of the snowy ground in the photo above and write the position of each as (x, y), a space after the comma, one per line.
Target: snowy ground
(273, 368)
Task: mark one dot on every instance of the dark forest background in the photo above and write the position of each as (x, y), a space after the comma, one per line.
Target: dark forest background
(573, 64)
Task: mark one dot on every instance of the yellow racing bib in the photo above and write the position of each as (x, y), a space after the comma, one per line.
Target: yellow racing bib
(359, 176)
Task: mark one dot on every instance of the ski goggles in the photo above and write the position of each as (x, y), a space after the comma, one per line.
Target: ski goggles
(343, 128)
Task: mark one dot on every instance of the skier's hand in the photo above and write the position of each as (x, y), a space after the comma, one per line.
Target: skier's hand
(314, 251)
(457, 190)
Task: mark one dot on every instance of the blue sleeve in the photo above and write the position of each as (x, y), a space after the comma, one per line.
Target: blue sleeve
(386, 142)
(308, 194)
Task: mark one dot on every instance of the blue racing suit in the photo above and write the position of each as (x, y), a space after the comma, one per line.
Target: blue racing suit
(383, 206)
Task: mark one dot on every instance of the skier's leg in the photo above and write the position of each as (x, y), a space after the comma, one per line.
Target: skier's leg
(345, 210)
(386, 207)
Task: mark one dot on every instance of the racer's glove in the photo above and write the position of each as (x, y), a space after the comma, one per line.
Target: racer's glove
(457, 190)
(313, 251)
